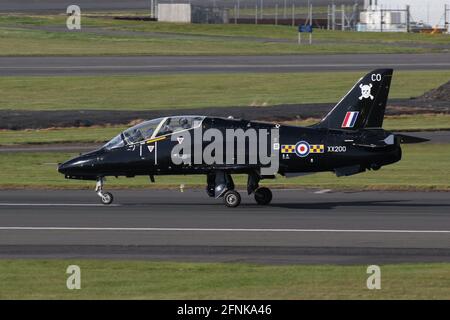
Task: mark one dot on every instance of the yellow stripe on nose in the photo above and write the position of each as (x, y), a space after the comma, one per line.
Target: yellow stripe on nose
(155, 139)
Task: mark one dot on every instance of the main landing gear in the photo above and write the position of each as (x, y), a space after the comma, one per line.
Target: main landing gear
(220, 185)
(231, 198)
(106, 197)
(263, 196)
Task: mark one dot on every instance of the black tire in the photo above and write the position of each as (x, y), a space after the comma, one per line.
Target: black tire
(210, 192)
(263, 196)
(232, 199)
(107, 198)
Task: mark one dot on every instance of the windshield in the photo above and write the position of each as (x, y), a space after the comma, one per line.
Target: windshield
(154, 128)
(141, 131)
(116, 142)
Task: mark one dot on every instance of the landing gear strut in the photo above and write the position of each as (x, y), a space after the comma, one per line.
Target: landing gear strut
(220, 185)
(263, 195)
(106, 197)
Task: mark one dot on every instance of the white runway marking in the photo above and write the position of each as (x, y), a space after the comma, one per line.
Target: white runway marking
(6, 204)
(218, 230)
(323, 191)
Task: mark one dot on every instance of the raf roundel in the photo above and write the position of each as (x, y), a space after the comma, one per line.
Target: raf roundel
(302, 149)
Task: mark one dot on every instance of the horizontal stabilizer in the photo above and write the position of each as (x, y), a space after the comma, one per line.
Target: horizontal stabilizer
(390, 140)
(404, 139)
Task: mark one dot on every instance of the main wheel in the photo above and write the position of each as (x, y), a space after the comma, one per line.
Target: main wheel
(107, 198)
(263, 196)
(210, 191)
(232, 198)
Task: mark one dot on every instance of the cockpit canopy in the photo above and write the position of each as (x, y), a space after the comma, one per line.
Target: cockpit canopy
(154, 128)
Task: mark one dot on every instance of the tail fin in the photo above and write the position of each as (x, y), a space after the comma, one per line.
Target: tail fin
(364, 105)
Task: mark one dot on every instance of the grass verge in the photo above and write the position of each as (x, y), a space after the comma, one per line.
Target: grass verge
(423, 167)
(196, 90)
(102, 20)
(416, 122)
(103, 279)
(47, 35)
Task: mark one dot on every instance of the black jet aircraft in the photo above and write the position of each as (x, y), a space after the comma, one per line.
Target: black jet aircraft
(347, 141)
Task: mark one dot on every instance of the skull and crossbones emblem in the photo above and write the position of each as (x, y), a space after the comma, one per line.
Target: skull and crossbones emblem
(365, 91)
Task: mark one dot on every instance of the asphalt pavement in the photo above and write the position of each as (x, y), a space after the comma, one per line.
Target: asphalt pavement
(107, 65)
(298, 227)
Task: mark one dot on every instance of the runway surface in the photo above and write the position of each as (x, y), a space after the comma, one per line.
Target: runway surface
(299, 227)
(16, 66)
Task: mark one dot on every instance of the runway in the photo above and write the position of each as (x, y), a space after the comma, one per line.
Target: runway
(298, 227)
(46, 66)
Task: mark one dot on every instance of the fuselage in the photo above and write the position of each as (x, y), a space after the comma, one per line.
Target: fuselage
(300, 150)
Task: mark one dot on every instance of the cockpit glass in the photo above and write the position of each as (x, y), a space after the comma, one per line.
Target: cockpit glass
(116, 142)
(179, 123)
(141, 131)
(154, 128)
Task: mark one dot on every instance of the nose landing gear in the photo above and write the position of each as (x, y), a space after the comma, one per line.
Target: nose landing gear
(105, 197)
(220, 185)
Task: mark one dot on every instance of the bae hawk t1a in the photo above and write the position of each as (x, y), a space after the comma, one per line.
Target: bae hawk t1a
(347, 141)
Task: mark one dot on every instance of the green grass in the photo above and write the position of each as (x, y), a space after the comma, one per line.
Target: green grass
(228, 30)
(196, 90)
(416, 122)
(190, 39)
(18, 42)
(102, 134)
(105, 279)
(60, 135)
(38, 170)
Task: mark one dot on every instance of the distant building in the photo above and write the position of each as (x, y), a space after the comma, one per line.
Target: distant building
(377, 19)
(174, 12)
(427, 13)
(188, 13)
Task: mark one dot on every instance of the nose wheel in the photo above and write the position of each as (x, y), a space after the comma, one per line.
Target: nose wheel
(105, 197)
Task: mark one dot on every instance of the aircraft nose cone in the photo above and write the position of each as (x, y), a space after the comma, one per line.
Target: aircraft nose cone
(84, 165)
(64, 167)
(73, 166)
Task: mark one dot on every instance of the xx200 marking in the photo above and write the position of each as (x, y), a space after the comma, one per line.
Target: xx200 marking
(337, 149)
